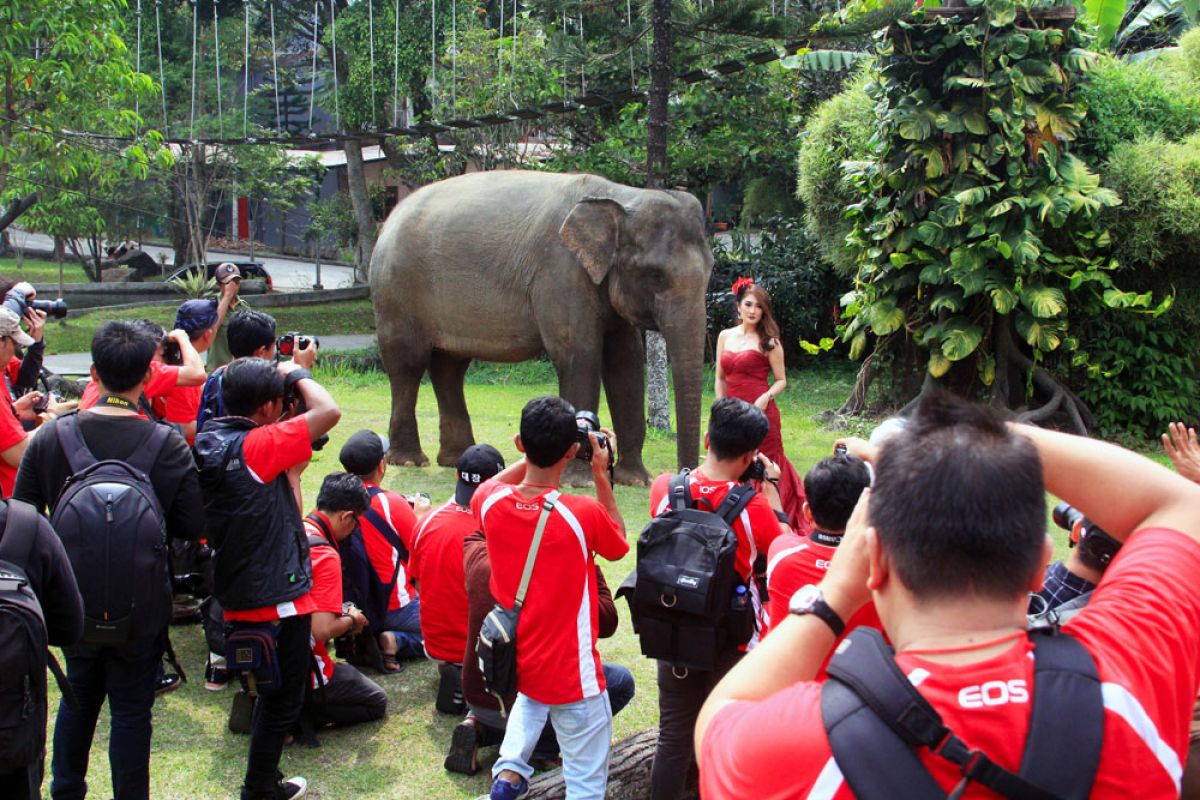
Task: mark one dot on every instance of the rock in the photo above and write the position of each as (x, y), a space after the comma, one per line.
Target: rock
(119, 275)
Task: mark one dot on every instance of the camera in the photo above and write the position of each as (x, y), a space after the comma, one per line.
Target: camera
(48, 397)
(19, 299)
(171, 353)
(587, 422)
(757, 471)
(839, 449)
(413, 498)
(294, 406)
(1096, 548)
(290, 342)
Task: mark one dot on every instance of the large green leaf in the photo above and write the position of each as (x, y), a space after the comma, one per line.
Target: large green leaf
(1043, 335)
(1151, 13)
(824, 60)
(939, 365)
(960, 339)
(1004, 300)
(1106, 15)
(1044, 302)
(884, 317)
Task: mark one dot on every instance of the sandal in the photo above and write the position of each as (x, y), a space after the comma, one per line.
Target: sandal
(388, 662)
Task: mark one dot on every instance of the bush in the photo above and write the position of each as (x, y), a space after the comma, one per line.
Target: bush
(1130, 100)
(786, 262)
(838, 131)
(1146, 376)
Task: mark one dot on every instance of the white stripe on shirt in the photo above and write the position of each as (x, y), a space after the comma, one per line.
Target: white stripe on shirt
(828, 782)
(780, 556)
(492, 499)
(1118, 700)
(583, 616)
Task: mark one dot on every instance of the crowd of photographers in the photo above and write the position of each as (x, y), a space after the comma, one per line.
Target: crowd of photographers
(916, 643)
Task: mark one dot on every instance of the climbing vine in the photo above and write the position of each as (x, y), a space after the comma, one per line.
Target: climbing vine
(978, 226)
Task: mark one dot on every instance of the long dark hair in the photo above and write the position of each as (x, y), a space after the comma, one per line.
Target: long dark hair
(768, 328)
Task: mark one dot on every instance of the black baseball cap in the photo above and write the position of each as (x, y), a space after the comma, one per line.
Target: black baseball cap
(362, 452)
(477, 463)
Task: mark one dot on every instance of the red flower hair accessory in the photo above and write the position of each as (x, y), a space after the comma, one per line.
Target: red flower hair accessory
(740, 284)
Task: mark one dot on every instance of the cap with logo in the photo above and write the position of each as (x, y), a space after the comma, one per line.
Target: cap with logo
(477, 463)
(362, 452)
(226, 272)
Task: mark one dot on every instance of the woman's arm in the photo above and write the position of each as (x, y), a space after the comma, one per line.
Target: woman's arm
(719, 388)
(778, 374)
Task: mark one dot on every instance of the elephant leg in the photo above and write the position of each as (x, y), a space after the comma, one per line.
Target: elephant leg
(447, 372)
(625, 388)
(579, 384)
(405, 363)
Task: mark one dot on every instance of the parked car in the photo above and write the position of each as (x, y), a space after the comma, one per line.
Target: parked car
(251, 270)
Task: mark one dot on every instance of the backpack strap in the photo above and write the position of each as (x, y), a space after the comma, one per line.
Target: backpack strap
(876, 719)
(679, 492)
(383, 526)
(145, 456)
(74, 448)
(548, 504)
(20, 525)
(735, 502)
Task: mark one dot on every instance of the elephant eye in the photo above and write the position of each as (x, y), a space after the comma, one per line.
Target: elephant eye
(656, 277)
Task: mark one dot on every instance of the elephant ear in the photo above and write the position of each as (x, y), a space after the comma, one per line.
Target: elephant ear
(592, 233)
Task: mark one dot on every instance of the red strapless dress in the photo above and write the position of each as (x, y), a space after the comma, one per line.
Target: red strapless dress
(746, 374)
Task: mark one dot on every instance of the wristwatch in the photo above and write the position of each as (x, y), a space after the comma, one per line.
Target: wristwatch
(809, 600)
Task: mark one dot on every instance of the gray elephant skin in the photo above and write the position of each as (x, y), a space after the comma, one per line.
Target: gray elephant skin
(505, 265)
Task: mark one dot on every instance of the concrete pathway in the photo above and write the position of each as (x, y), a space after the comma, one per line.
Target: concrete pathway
(287, 274)
(81, 363)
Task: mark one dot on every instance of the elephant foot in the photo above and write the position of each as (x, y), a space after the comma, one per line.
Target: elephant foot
(631, 474)
(407, 458)
(448, 455)
(578, 474)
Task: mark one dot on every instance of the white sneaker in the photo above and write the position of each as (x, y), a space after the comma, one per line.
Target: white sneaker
(294, 788)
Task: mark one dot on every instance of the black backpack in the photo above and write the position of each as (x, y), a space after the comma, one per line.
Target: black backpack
(211, 405)
(360, 583)
(111, 525)
(24, 651)
(876, 719)
(689, 604)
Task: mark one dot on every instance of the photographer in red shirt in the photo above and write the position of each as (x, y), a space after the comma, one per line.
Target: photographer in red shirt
(948, 544)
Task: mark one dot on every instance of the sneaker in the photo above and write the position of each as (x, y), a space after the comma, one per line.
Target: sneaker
(293, 789)
(169, 682)
(503, 790)
(215, 678)
(464, 748)
(449, 694)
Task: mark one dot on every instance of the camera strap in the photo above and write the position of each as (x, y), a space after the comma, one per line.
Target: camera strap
(116, 401)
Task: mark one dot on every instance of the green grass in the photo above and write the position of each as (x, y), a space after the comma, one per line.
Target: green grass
(74, 333)
(401, 756)
(37, 270)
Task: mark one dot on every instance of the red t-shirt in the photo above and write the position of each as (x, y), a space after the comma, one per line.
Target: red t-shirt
(269, 450)
(12, 370)
(326, 595)
(1142, 627)
(385, 559)
(795, 561)
(557, 660)
(437, 567)
(182, 404)
(162, 379)
(756, 527)
(11, 433)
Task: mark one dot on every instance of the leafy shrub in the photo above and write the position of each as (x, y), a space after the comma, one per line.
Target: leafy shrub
(838, 131)
(1129, 100)
(786, 262)
(1146, 376)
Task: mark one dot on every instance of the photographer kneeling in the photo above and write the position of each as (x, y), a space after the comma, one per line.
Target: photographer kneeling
(341, 695)
(261, 563)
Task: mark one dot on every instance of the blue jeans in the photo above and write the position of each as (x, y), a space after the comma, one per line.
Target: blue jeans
(405, 624)
(584, 731)
(125, 676)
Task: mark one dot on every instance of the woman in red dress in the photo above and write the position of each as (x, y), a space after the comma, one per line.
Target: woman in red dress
(750, 367)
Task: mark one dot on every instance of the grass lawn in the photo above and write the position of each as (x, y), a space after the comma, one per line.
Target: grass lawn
(74, 333)
(401, 756)
(37, 270)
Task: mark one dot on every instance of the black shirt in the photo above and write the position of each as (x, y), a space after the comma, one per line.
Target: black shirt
(44, 468)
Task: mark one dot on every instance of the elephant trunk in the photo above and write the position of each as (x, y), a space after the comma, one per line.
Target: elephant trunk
(685, 349)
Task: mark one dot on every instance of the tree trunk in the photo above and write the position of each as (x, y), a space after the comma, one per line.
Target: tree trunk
(360, 199)
(16, 209)
(658, 398)
(628, 772)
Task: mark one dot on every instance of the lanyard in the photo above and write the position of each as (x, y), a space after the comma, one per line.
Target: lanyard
(116, 401)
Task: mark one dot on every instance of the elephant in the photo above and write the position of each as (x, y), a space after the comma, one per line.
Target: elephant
(505, 265)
